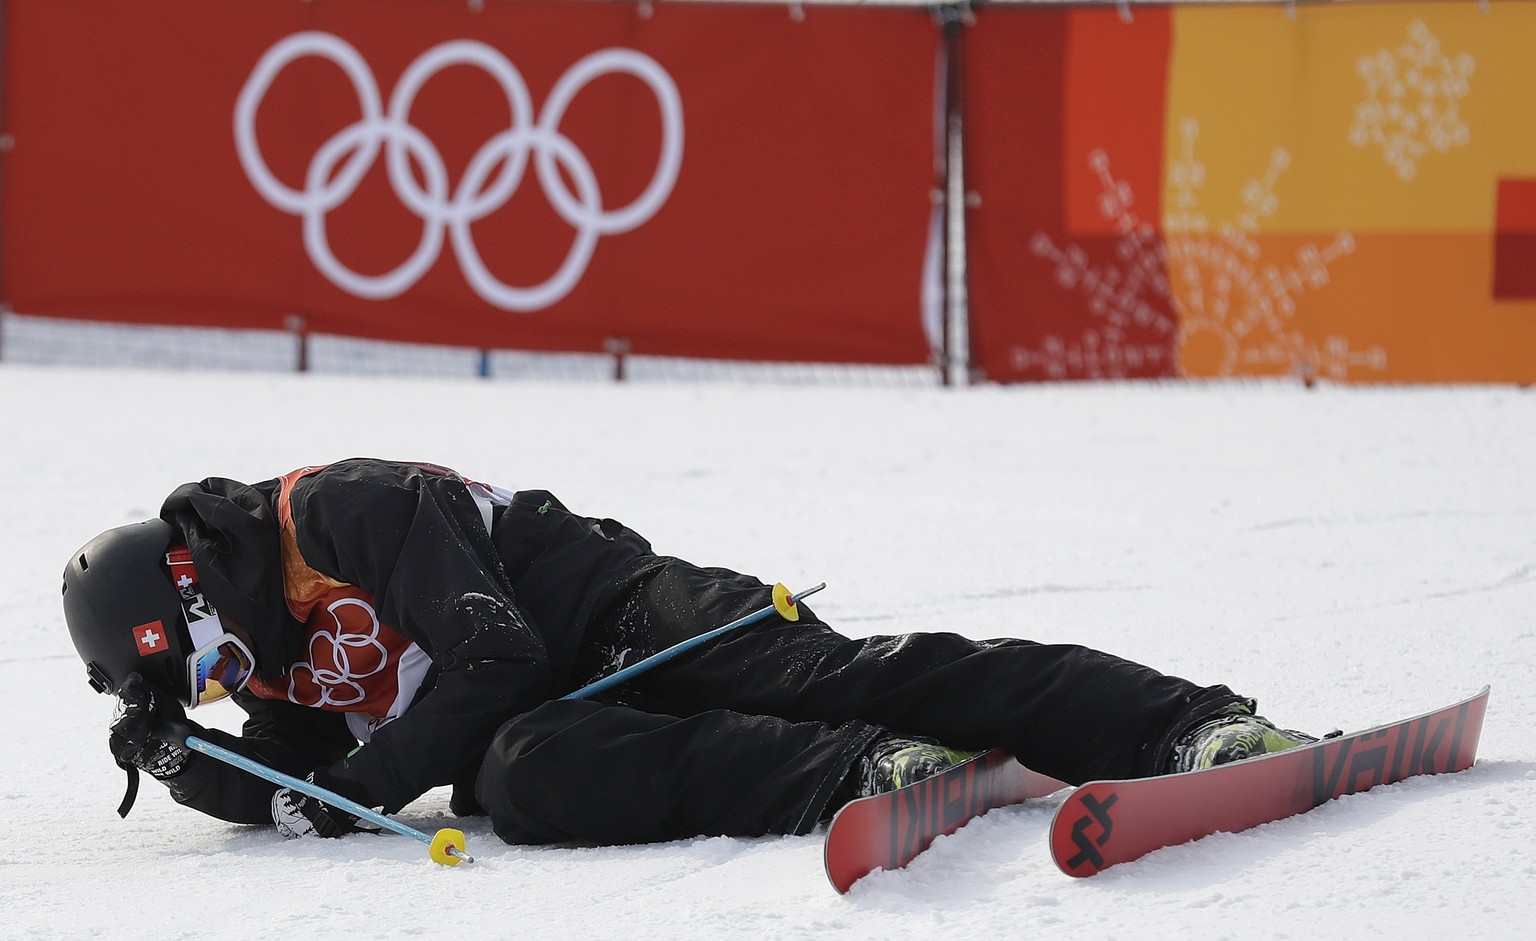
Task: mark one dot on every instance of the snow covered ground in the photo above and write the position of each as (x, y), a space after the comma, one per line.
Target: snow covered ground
(1346, 555)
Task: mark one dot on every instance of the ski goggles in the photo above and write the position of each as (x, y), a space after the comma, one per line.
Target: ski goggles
(220, 663)
(219, 668)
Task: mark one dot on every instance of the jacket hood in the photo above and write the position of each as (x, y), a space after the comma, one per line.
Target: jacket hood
(231, 529)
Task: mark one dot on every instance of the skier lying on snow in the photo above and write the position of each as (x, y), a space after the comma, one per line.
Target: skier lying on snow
(437, 620)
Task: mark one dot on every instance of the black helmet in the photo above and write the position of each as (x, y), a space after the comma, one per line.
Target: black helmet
(126, 615)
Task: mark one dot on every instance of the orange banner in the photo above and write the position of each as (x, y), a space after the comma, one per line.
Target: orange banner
(1340, 191)
(717, 181)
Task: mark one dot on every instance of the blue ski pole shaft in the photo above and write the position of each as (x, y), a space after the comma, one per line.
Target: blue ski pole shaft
(328, 796)
(656, 659)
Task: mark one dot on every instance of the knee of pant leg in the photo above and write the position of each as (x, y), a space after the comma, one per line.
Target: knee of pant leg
(522, 769)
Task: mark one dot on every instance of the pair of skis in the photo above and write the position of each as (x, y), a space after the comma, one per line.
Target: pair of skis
(1104, 823)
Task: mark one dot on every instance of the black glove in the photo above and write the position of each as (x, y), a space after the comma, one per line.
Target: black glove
(140, 720)
(297, 814)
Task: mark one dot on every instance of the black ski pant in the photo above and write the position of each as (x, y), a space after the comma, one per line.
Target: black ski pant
(759, 731)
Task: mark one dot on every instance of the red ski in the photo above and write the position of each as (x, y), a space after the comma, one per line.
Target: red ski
(886, 831)
(1104, 823)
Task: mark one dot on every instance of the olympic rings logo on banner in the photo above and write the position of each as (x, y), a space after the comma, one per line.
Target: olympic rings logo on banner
(341, 163)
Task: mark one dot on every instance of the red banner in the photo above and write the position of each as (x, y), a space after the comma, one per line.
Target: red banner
(1068, 279)
(719, 181)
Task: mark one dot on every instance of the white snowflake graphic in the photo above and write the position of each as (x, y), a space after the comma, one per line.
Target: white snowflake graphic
(1412, 100)
(1119, 295)
(1233, 309)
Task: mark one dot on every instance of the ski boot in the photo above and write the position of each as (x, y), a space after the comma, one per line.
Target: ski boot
(898, 761)
(1233, 734)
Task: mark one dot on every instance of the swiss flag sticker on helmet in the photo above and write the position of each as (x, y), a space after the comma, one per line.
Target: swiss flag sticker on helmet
(150, 638)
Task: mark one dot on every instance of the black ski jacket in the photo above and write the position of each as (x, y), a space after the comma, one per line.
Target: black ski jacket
(500, 611)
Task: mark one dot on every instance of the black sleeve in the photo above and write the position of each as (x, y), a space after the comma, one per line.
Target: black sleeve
(292, 739)
(414, 539)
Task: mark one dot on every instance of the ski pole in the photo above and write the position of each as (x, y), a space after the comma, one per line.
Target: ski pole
(446, 846)
(783, 602)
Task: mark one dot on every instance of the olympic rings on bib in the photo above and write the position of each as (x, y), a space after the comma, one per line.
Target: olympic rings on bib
(489, 181)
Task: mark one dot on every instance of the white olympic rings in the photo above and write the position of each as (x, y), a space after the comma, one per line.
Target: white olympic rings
(332, 672)
(340, 164)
